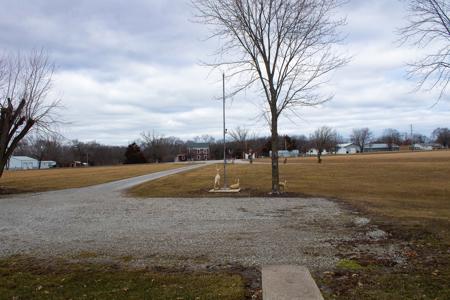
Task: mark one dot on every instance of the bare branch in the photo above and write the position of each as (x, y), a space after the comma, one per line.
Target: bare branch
(25, 82)
(429, 27)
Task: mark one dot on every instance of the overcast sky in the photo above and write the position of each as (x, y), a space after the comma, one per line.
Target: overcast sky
(125, 67)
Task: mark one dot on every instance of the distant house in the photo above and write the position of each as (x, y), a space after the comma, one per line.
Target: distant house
(314, 152)
(28, 163)
(198, 151)
(421, 147)
(348, 148)
(250, 155)
(77, 164)
(287, 153)
(381, 147)
(22, 163)
(47, 164)
(436, 146)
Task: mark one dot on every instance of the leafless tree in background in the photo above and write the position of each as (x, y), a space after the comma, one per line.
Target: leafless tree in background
(286, 46)
(360, 137)
(442, 136)
(324, 138)
(25, 82)
(158, 148)
(429, 27)
(44, 147)
(391, 137)
(240, 136)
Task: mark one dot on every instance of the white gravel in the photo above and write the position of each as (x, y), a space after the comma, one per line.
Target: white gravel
(210, 231)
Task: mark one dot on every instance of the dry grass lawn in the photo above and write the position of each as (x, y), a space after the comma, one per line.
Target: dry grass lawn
(413, 186)
(57, 179)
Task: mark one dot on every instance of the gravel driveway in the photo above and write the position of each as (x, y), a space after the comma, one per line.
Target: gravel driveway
(167, 232)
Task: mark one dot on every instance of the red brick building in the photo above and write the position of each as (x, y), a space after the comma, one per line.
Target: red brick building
(198, 151)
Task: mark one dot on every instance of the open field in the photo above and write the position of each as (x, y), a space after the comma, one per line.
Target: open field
(26, 278)
(66, 178)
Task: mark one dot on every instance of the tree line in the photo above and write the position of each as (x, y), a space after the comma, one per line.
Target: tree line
(154, 148)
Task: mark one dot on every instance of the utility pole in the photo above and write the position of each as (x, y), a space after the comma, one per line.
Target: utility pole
(224, 133)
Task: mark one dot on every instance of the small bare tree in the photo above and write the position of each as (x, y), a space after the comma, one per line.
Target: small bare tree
(25, 82)
(43, 146)
(429, 27)
(240, 135)
(324, 138)
(360, 137)
(391, 137)
(285, 46)
(442, 136)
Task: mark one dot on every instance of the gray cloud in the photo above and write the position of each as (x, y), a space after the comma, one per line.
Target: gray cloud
(125, 67)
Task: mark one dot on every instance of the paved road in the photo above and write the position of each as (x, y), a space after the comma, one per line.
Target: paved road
(248, 231)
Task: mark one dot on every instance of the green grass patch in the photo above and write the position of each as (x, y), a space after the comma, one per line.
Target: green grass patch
(27, 278)
(348, 264)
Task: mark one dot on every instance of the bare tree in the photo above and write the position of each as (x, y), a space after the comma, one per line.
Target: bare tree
(240, 135)
(360, 137)
(391, 137)
(324, 138)
(429, 27)
(442, 136)
(158, 148)
(204, 138)
(285, 46)
(25, 82)
(43, 147)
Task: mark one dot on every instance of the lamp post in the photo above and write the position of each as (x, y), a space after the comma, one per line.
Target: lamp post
(224, 133)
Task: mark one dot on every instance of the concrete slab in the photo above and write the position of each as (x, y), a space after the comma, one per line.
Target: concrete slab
(225, 191)
(289, 282)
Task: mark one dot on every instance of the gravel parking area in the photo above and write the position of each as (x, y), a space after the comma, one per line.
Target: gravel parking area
(168, 232)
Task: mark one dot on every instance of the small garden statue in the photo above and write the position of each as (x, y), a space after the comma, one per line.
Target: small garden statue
(217, 180)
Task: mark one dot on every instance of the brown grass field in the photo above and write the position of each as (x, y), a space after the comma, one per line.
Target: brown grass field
(65, 178)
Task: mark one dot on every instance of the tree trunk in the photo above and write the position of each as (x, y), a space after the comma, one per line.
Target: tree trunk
(319, 159)
(275, 171)
(3, 163)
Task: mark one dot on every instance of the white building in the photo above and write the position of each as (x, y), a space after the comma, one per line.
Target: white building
(421, 147)
(314, 152)
(47, 164)
(250, 155)
(348, 148)
(287, 153)
(28, 163)
(22, 163)
(381, 147)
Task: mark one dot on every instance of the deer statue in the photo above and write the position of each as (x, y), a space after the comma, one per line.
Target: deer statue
(283, 185)
(217, 180)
